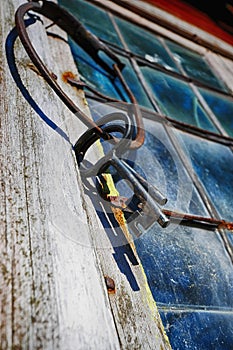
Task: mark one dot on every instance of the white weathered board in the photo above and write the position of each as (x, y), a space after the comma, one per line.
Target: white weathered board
(54, 253)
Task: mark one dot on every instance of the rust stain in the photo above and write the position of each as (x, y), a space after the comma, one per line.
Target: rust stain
(68, 75)
(110, 285)
(226, 225)
(120, 218)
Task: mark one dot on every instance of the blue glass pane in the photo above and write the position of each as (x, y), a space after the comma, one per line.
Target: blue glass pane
(143, 43)
(159, 163)
(195, 66)
(93, 18)
(222, 108)
(186, 266)
(213, 163)
(105, 83)
(193, 267)
(176, 99)
(203, 330)
(230, 236)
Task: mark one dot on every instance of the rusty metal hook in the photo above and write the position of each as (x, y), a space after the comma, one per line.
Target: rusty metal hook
(92, 45)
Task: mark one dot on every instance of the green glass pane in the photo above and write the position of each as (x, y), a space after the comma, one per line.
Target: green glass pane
(195, 65)
(145, 44)
(96, 76)
(94, 18)
(176, 99)
(134, 84)
(222, 107)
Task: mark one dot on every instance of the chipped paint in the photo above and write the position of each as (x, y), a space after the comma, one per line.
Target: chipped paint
(146, 292)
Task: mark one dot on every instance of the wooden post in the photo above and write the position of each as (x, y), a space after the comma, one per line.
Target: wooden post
(52, 289)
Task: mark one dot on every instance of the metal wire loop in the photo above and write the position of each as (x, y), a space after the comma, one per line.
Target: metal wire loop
(92, 45)
(90, 137)
(103, 129)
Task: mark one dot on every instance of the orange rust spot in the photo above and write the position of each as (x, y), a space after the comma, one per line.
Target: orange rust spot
(110, 285)
(226, 225)
(67, 75)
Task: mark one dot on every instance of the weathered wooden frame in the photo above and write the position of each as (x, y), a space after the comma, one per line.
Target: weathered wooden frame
(54, 251)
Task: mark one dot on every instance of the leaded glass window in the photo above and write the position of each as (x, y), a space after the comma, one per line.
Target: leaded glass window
(185, 103)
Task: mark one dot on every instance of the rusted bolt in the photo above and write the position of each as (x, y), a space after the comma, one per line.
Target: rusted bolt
(66, 75)
(110, 285)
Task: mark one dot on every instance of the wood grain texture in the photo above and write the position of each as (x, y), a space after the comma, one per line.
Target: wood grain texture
(52, 290)
(54, 250)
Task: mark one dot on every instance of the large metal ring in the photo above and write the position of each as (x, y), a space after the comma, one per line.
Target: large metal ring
(90, 137)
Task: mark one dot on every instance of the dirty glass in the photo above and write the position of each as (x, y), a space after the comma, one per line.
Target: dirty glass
(101, 26)
(213, 164)
(195, 255)
(195, 330)
(145, 44)
(176, 99)
(162, 167)
(194, 65)
(193, 267)
(188, 269)
(222, 107)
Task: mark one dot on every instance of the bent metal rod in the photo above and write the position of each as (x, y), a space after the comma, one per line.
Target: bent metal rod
(148, 195)
(92, 45)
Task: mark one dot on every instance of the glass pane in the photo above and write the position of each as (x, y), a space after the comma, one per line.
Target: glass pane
(186, 266)
(195, 65)
(213, 163)
(105, 83)
(159, 163)
(193, 330)
(145, 44)
(176, 99)
(222, 108)
(93, 18)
